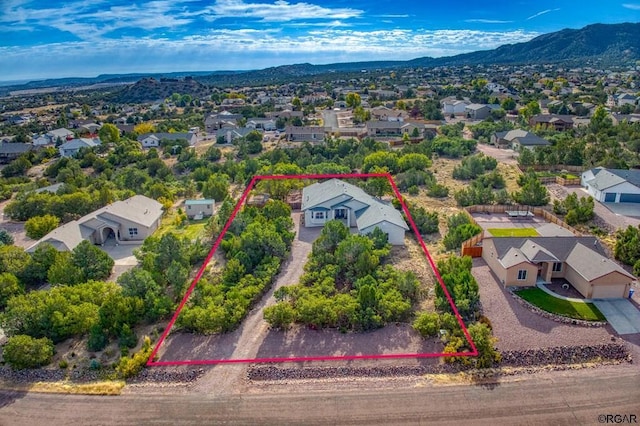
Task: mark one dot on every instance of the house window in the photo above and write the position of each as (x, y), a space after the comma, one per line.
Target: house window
(208, 206)
(341, 214)
(188, 207)
(318, 215)
(557, 267)
(522, 274)
(133, 231)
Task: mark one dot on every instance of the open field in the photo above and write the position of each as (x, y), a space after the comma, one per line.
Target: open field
(513, 232)
(546, 302)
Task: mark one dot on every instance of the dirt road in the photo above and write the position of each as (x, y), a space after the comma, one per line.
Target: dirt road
(224, 380)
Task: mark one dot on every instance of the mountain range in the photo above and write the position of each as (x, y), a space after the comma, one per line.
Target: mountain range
(598, 45)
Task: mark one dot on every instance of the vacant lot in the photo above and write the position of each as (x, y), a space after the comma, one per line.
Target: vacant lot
(254, 339)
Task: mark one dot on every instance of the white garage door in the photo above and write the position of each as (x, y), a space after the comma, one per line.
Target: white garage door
(608, 291)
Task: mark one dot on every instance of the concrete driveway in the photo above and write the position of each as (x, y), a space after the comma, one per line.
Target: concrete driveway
(623, 316)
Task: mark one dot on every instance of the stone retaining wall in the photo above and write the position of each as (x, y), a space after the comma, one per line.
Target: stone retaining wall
(526, 358)
(84, 376)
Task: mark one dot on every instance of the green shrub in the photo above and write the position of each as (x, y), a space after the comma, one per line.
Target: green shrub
(280, 316)
(427, 324)
(129, 367)
(438, 191)
(24, 351)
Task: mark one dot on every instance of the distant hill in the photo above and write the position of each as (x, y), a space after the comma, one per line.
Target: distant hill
(608, 44)
(597, 44)
(150, 89)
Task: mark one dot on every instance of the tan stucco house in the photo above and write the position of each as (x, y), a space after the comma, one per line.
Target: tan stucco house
(521, 262)
(129, 221)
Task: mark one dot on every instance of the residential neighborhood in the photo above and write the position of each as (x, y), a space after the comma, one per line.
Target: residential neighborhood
(504, 199)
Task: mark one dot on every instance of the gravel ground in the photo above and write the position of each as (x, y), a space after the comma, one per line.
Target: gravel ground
(506, 156)
(518, 328)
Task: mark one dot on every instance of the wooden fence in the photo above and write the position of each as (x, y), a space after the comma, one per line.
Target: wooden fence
(559, 180)
(470, 247)
(552, 168)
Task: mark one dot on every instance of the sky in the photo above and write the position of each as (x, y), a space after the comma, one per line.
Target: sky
(85, 38)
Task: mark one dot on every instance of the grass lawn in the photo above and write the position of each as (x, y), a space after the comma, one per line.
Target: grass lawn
(546, 302)
(193, 230)
(513, 232)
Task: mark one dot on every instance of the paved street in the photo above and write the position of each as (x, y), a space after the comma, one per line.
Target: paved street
(570, 398)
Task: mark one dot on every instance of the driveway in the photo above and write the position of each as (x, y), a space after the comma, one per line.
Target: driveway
(122, 255)
(623, 316)
(506, 156)
(614, 220)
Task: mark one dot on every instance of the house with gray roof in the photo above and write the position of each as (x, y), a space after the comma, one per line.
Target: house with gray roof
(335, 199)
(153, 140)
(479, 111)
(72, 147)
(522, 262)
(229, 135)
(517, 139)
(217, 121)
(305, 133)
(379, 128)
(612, 185)
(126, 222)
(9, 151)
(58, 135)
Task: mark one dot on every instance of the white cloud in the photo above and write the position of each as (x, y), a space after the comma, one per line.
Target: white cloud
(92, 19)
(280, 11)
(631, 6)
(252, 48)
(487, 21)
(542, 13)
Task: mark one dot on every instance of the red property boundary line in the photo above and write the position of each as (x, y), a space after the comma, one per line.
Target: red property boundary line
(243, 198)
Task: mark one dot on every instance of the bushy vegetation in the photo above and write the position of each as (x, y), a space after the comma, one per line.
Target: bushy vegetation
(460, 229)
(574, 210)
(461, 285)
(532, 192)
(39, 226)
(345, 285)
(474, 166)
(627, 248)
(453, 147)
(255, 245)
(22, 351)
(464, 291)
(427, 222)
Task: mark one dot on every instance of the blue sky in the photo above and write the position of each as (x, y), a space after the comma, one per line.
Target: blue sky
(53, 38)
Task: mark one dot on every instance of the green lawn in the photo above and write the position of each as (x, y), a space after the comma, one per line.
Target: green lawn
(546, 302)
(513, 232)
(193, 230)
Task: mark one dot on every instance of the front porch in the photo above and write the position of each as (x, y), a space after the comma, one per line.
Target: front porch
(560, 287)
